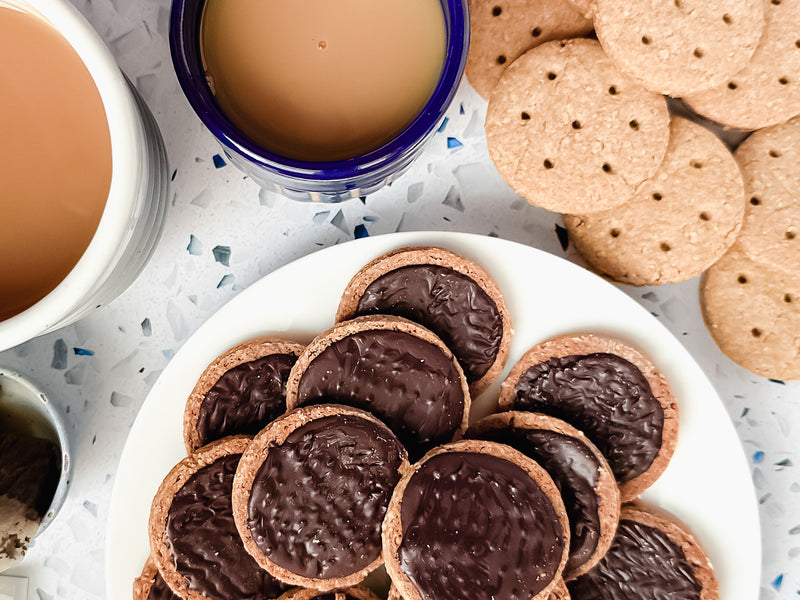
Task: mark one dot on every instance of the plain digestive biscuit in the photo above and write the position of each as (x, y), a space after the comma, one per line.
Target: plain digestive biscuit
(569, 132)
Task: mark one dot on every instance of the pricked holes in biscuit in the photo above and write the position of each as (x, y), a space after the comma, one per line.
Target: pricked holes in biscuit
(776, 2)
(525, 116)
(696, 164)
(732, 85)
(790, 235)
(741, 279)
(607, 168)
(548, 164)
(612, 90)
(551, 76)
(727, 19)
(698, 53)
(657, 196)
(704, 216)
(576, 125)
(615, 232)
(787, 298)
(775, 153)
(756, 332)
(755, 201)
(665, 247)
(497, 11)
(634, 124)
(646, 40)
(783, 81)
(536, 31)
(501, 60)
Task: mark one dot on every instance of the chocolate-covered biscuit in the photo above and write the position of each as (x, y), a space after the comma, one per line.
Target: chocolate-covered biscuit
(450, 295)
(609, 391)
(311, 492)
(397, 370)
(193, 538)
(578, 469)
(352, 593)
(475, 519)
(240, 391)
(653, 556)
(150, 585)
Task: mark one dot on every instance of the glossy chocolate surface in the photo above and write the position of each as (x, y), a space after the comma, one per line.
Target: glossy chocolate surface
(607, 398)
(448, 303)
(245, 398)
(408, 383)
(204, 542)
(318, 500)
(160, 590)
(643, 563)
(575, 471)
(480, 525)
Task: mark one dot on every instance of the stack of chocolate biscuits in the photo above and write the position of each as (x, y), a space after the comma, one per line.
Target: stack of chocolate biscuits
(629, 134)
(311, 467)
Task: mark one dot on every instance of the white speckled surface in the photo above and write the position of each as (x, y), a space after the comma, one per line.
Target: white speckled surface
(222, 234)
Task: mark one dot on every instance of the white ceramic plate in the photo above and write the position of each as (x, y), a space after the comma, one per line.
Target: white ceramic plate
(707, 483)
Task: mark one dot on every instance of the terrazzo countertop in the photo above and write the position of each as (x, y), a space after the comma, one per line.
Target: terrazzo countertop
(223, 233)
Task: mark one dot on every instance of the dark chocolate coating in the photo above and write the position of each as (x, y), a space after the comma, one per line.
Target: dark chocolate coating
(480, 525)
(245, 398)
(160, 590)
(408, 383)
(204, 542)
(448, 303)
(30, 468)
(318, 500)
(643, 563)
(575, 471)
(607, 398)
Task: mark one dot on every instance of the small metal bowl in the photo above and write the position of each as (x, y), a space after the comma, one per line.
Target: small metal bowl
(25, 402)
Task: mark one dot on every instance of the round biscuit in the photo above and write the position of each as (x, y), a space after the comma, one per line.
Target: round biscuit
(753, 313)
(683, 46)
(502, 30)
(677, 224)
(770, 163)
(767, 90)
(572, 134)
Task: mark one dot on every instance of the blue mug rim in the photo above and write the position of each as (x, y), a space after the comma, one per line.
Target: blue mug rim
(185, 50)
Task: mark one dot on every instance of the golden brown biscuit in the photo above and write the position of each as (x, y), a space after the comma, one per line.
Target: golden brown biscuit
(770, 162)
(572, 134)
(502, 30)
(767, 90)
(677, 224)
(681, 47)
(752, 311)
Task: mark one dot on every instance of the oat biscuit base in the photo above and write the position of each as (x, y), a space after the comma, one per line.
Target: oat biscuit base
(569, 132)
(245, 352)
(358, 592)
(502, 30)
(682, 536)
(145, 582)
(770, 162)
(752, 311)
(586, 7)
(431, 255)
(273, 435)
(681, 47)
(677, 224)
(367, 323)
(159, 512)
(588, 343)
(392, 533)
(767, 90)
(608, 500)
